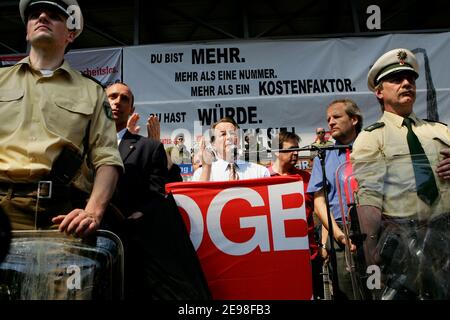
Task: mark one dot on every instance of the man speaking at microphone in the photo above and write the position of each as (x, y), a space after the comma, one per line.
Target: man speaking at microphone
(224, 164)
(345, 122)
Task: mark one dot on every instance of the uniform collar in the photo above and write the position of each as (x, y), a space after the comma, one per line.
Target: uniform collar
(398, 120)
(65, 67)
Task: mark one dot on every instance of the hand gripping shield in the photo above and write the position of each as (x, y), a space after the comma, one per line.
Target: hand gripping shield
(403, 242)
(47, 265)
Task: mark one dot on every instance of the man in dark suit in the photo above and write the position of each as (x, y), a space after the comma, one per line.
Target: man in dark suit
(160, 261)
(144, 159)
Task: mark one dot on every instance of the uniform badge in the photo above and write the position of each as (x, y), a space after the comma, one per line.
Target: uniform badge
(108, 110)
(402, 55)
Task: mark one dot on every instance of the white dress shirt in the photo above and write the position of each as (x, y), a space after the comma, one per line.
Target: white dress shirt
(220, 171)
(120, 135)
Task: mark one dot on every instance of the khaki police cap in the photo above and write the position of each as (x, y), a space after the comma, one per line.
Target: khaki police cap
(62, 6)
(391, 62)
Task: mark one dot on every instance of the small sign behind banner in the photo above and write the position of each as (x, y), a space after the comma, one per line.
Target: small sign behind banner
(250, 235)
(186, 169)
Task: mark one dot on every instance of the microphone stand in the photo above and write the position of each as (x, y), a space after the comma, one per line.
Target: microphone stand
(313, 148)
(321, 154)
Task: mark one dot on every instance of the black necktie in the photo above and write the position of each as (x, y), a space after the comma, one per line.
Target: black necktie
(425, 182)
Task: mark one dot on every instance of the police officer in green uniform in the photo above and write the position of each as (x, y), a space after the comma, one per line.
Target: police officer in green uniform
(57, 137)
(402, 165)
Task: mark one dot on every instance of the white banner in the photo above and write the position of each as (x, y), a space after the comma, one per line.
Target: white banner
(267, 85)
(105, 65)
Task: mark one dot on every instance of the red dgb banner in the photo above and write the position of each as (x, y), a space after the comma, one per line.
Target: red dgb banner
(250, 235)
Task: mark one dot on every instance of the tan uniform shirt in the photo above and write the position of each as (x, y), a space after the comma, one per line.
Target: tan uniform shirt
(180, 157)
(41, 115)
(383, 167)
(327, 143)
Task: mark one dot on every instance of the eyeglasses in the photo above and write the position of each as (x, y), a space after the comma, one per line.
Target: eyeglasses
(320, 132)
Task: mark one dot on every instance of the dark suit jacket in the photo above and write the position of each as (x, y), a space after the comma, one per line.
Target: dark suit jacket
(160, 260)
(145, 174)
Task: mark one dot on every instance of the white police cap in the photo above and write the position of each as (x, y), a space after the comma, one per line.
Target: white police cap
(391, 62)
(61, 5)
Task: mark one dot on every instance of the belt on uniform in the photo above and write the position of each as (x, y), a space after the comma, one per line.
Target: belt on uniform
(40, 189)
(404, 221)
(414, 222)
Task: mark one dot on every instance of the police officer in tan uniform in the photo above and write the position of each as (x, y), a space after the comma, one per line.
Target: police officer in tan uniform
(402, 164)
(179, 153)
(57, 140)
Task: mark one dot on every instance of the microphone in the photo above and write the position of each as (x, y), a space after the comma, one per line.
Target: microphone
(236, 151)
(334, 147)
(311, 147)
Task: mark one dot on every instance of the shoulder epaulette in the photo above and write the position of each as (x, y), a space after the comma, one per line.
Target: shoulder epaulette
(435, 121)
(374, 126)
(93, 79)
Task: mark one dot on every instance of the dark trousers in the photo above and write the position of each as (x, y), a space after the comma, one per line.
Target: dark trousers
(343, 271)
(345, 280)
(160, 260)
(317, 278)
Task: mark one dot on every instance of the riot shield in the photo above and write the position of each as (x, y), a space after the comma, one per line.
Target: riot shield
(355, 262)
(400, 227)
(5, 234)
(48, 265)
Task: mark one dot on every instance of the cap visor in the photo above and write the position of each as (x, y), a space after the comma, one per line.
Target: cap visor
(396, 70)
(52, 6)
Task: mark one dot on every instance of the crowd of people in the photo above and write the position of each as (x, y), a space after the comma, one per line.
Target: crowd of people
(70, 151)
